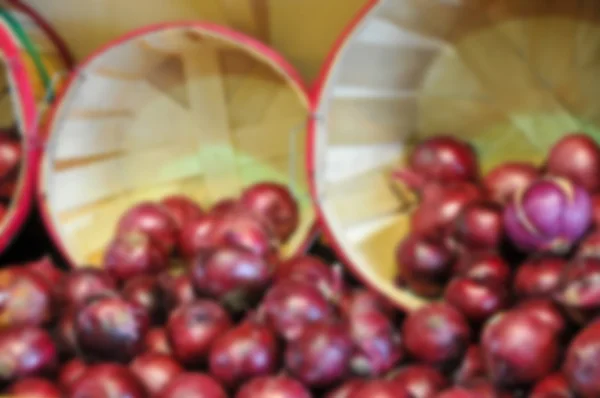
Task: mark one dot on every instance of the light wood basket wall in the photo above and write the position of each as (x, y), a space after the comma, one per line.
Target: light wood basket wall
(302, 30)
(509, 76)
(188, 108)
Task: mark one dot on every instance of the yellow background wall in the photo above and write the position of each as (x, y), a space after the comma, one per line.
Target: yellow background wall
(303, 30)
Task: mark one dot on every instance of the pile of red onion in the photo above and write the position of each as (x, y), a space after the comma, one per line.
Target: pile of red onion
(11, 157)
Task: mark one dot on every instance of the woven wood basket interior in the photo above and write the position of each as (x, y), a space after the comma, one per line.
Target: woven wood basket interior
(185, 109)
(510, 77)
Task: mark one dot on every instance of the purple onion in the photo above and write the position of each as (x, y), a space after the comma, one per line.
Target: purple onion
(549, 215)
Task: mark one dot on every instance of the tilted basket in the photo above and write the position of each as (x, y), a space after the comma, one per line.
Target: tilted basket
(179, 108)
(510, 77)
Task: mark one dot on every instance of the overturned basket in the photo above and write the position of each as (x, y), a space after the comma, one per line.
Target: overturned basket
(183, 108)
(511, 77)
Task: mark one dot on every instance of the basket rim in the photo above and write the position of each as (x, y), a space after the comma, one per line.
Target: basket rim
(21, 205)
(317, 98)
(243, 40)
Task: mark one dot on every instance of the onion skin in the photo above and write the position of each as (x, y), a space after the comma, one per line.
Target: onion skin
(192, 385)
(347, 389)
(259, 357)
(576, 157)
(79, 286)
(291, 306)
(46, 268)
(198, 236)
(596, 209)
(505, 180)
(424, 266)
(546, 312)
(320, 356)
(518, 348)
(153, 220)
(552, 386)
(311, 269)
(182, 209)
(379, 389)
(488, 268)
(26, 352)
(479, 226)
(111, 328)
(34, 388)
(156, 342)
(419, 381)
(440, 206)
(176, 290)
(579, 294)
(145, 292)
(590, 246)
(273, 386)
(155, 371)
(193, 328)
(436, 334)
(539, 277)
(106, 381)
(477, 301)
(134, 254)
(70, 372)
(25, 298)
(457, 392)
(276, 204)
(582, 365)
(64, 334)
(232, 275)
(549, 216)
(471, 367)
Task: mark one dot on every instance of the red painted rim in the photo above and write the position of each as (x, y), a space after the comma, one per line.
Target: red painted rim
(317, 97)
(217, 30)
(27, 107)
(52, 34)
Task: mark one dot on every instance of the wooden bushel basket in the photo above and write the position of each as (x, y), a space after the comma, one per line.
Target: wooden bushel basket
(186, 108)
(31, 55)
(511, 77)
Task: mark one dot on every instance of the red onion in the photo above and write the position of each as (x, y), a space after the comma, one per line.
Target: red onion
(457, 392)
(419, 381)
(424, 266)
(198, 235)
(151, 219)
(436, 334)
(546, 312)
(579, 294)
(590, 246)
(145, 292)
(320, 356)
(313, 270)
(291, 305)
(26, 351)
(193, 328)
(437, 213)
(182, 209)
(155, 371)
(245, 352)
(477, 301)
(442, 158)
(581, 364)
(34, 388)
(70, 372)
(550, 215)
(380, 389)
(245, 230)
(347, 389)
(25, 298)
(479, 226)
(64, 334)
(83, 284)
(276, 204)
(273, 386)
(177, 289)
(471, 367)
(553, 386)
(111, 328)
(502, 182)
(361, 300)
(107, 381)
(156, 341)
(133, 254)
(596, 209)
(518, 348)
(576, 157)
(484, 267)
(377, 342)
(235, 276)
(192, 385)
(539, 276)
(11, 155)
(46, 268)
(224, 206)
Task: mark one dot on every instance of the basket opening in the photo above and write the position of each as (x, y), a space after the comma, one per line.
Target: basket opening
(179, 109)
(511, 77)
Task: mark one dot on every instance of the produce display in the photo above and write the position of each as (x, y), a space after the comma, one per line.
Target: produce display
(11, 157)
